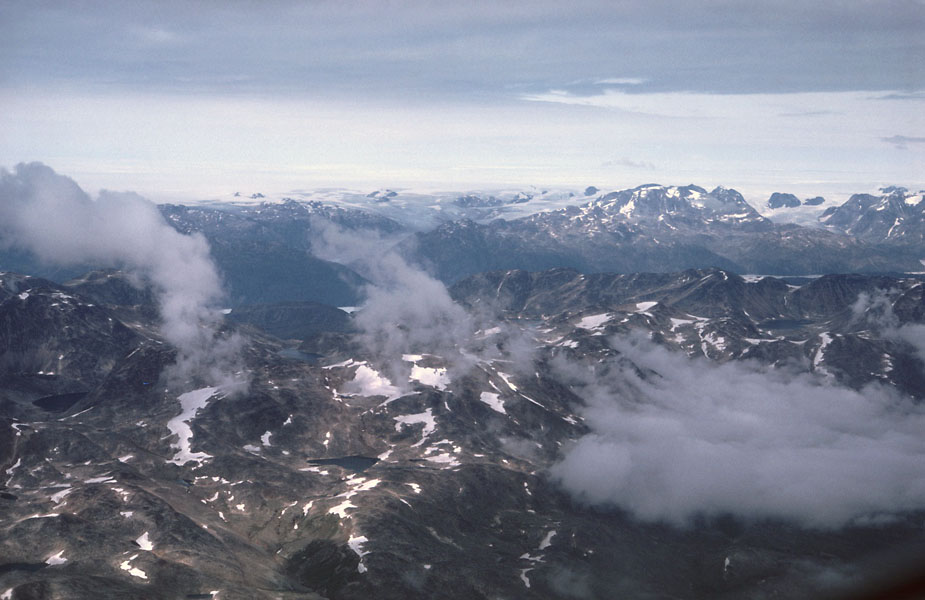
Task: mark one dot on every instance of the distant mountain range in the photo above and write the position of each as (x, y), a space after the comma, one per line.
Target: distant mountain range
(264, 250)
(658, 228)
(610, 399)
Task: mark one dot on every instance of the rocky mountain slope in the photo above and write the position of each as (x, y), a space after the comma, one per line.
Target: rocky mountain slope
(896, 216)
(352, 474)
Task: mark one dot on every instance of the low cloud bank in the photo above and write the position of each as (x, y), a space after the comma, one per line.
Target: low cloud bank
(692, 438)
(51, 216)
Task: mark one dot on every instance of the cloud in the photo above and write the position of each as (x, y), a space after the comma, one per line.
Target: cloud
(902, 141)
(621, 81)
(407, 311)
(154, 35)
(626, 162)
(444, 49)
(810, 113)
(692, 438)
(875, 312)
(49, 215)
(903, 96)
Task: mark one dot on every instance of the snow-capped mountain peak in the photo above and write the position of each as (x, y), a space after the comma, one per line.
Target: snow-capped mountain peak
(896, 215)
(690, 205)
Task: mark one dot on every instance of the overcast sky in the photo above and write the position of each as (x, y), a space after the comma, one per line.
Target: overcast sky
(203, 98)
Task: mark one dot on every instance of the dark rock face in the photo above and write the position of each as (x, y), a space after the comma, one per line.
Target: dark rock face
(815, 201)
(48, 334)
(779, 200)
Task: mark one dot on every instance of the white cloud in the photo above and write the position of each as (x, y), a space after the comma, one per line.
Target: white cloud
(695, 438)
(49, 215)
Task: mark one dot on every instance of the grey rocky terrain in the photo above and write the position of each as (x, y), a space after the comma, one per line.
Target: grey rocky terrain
(347, 474)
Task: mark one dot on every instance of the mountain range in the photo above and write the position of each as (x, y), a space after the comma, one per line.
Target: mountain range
(611, 398)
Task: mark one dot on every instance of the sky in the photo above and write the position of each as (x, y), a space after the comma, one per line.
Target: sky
(196, 100)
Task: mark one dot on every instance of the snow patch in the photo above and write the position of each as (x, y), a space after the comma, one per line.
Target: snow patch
(434, 377)
(494, 401)
(103, 479)
(133, 571)
(444, 458)
(547, 541)
(58, 497)
(190, 404)
(341, 509)
(594, 322)
(144, 542)
(356, 544)
(357, 485)
(507, 381)
(523, 576)
(56, 559)
(426, 417)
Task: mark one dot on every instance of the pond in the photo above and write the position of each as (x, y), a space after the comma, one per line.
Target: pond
(352, 463)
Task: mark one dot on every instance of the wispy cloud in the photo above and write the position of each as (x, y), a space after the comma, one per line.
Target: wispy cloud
(810, 113)
(621, 81)
(903, 96)
(902, 141)
(155, 35)
(627, 162)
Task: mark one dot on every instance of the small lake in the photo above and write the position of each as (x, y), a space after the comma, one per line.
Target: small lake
(59, 402)
(784, 324)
